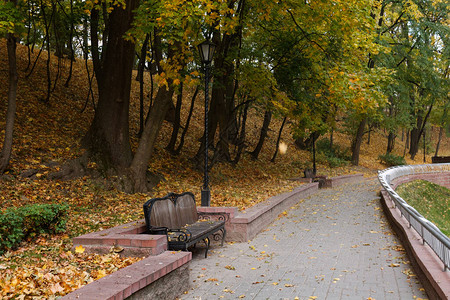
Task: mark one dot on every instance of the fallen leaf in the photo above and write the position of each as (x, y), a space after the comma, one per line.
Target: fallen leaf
(79, 249)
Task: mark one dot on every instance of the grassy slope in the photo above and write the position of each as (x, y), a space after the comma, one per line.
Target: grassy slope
(429, 199)
(51, 133)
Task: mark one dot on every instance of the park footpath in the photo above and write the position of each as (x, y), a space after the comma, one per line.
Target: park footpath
(334, 244)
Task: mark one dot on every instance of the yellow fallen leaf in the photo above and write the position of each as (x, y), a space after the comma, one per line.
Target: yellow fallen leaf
(79, 249)
(212, 279)
(100, 274)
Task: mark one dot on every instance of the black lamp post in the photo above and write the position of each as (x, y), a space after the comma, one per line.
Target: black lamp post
(206, 50)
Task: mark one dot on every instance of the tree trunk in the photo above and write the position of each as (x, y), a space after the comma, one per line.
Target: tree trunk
(241, 140)
(413, 151)
(331, 138)
(141, 83)
(441, 132)
(356, 144)
(137, 180)
(47, 34)
(263, 134)
(415, 138)
(138, 168)
(391, 142)
(72, 52)
(186, 126)
(278, 140)
(176, 123)
(108, 136)
(11, 111)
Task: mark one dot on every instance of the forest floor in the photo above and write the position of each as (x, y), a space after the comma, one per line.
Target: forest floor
(48, 134)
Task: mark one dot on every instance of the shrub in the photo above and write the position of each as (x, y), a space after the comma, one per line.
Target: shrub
(335, 162)
(335, 156)
(11, 233)
(390, 160)
(30, 221)
(43, 218)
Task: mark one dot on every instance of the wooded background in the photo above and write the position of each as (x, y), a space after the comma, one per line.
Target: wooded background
(320, 66)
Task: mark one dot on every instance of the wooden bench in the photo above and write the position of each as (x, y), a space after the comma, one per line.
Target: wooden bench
(176, 216)
(440, 159)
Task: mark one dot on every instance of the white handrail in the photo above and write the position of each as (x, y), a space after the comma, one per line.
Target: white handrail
(430, 234)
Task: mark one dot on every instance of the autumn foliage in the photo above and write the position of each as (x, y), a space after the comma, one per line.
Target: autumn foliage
(312, 74)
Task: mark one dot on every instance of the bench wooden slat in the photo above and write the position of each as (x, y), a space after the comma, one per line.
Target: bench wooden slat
(186, 210)
(164, 214)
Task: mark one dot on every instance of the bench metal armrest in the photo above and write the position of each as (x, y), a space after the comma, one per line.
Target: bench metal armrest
(158, 230)
(179, 235)
(206, 216)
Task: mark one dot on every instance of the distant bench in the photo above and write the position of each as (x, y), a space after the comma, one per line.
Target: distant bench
(176, 216)
(440, 159)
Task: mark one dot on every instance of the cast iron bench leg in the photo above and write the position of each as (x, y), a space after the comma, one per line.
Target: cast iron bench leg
(207, 242)
(224, 233)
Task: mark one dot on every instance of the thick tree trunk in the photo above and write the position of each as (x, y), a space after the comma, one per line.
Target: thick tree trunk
(11, 111)
(418, 131)
(263, 134)
(223, 117)
(356, 144)
(138, 168)
(108, 137)
(137, 180)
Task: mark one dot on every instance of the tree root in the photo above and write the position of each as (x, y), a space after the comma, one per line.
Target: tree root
(73, 169)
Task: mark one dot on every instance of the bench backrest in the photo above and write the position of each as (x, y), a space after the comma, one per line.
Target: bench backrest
(172, 211)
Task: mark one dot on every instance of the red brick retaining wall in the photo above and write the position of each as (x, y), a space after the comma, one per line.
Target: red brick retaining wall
(128, 236)
(134, 280)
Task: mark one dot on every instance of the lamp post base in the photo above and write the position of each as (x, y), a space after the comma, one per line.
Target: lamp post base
(206, 197)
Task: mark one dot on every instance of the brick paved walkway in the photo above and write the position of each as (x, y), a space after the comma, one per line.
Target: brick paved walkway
(335, 244)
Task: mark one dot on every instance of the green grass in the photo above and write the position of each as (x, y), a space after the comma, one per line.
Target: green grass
(429, 199)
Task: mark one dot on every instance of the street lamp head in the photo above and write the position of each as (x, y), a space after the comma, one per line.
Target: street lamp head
(206, 50)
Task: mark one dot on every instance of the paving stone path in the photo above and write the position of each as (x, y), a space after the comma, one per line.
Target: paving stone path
(335, 244)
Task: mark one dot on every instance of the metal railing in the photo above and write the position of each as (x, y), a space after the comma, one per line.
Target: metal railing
(430, 234)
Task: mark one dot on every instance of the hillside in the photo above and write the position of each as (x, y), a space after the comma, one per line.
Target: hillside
(49, 134)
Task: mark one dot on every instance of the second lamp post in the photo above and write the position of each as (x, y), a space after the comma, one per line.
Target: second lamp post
(206, 50)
